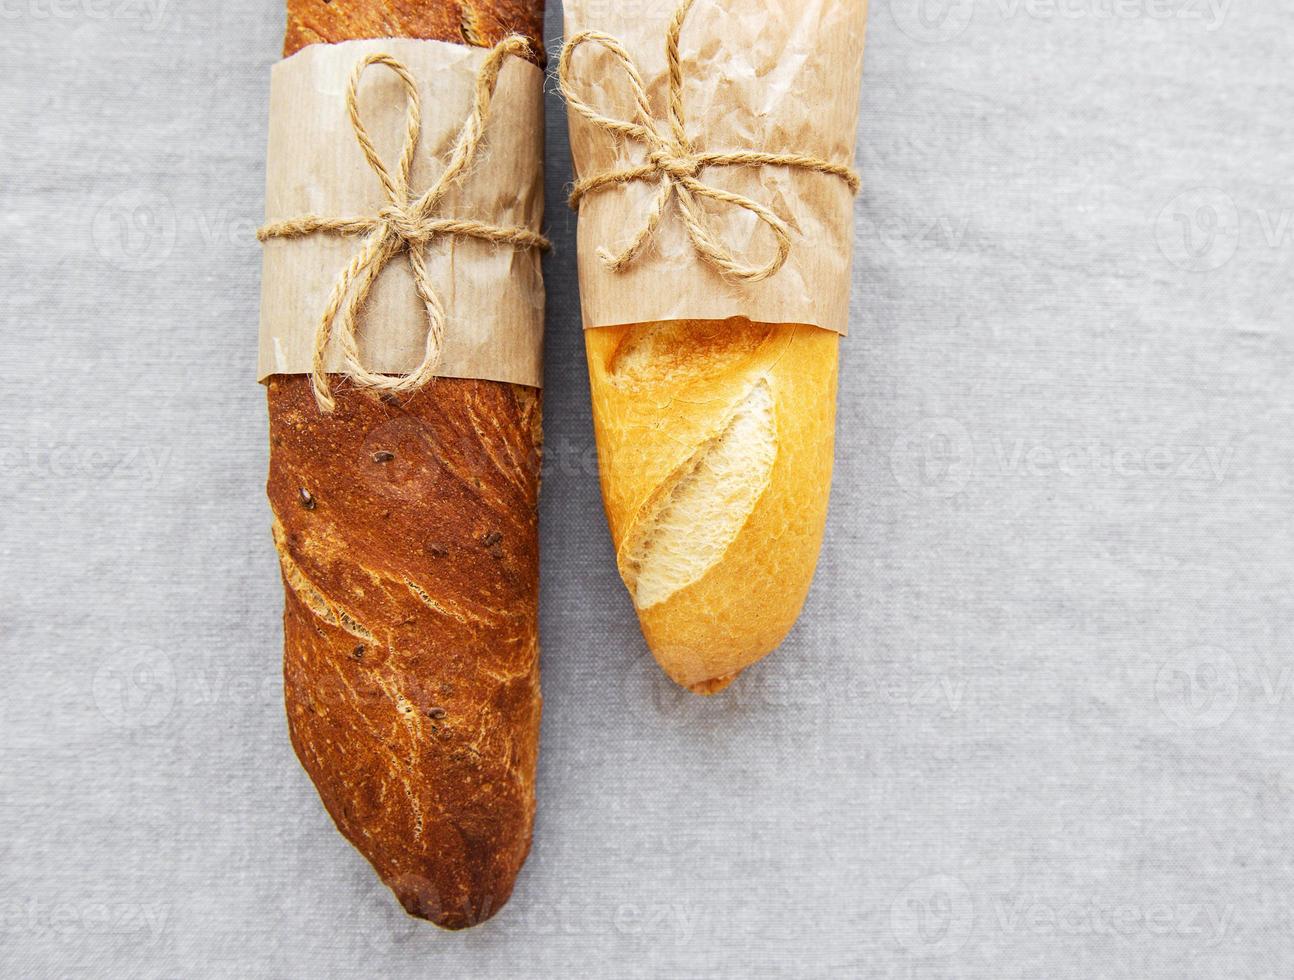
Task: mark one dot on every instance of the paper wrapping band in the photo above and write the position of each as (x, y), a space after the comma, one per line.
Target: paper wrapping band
(463, 203)
(764, 223)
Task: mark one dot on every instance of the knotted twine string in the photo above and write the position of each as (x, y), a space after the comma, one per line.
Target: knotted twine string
(674, 162)
(406, 224)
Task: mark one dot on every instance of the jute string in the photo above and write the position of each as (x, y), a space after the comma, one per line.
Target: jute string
(674, 162)
(408, 223)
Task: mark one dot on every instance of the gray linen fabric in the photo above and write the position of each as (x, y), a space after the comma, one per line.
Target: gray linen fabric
(1036, 719)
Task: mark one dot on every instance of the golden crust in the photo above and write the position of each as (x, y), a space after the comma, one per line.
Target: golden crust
(407, 532)
(651, 414)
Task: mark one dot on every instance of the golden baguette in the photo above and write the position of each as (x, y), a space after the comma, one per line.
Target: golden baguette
(715, 445)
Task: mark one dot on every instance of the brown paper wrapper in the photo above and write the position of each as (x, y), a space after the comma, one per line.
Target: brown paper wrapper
(493, 295)
(777, 76)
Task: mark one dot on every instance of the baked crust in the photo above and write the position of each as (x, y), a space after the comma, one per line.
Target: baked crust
(407, 530)
(479, 22)
(663, 395)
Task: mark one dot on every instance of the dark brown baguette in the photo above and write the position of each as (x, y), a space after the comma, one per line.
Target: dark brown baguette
(408, 540)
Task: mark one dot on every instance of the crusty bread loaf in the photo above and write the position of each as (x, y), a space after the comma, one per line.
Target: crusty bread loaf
(407, 536)
(480, 22)
(715, 446)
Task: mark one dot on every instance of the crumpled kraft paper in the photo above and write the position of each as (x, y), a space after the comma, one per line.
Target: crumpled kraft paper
(493, 296)
(779, 76)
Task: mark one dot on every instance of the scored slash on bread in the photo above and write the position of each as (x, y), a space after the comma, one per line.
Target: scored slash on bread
(696, 513)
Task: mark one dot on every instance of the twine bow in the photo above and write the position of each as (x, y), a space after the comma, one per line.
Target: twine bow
(408, 223)
(674, 162)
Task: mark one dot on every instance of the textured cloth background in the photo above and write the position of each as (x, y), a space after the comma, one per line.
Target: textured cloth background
(1036, 719)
